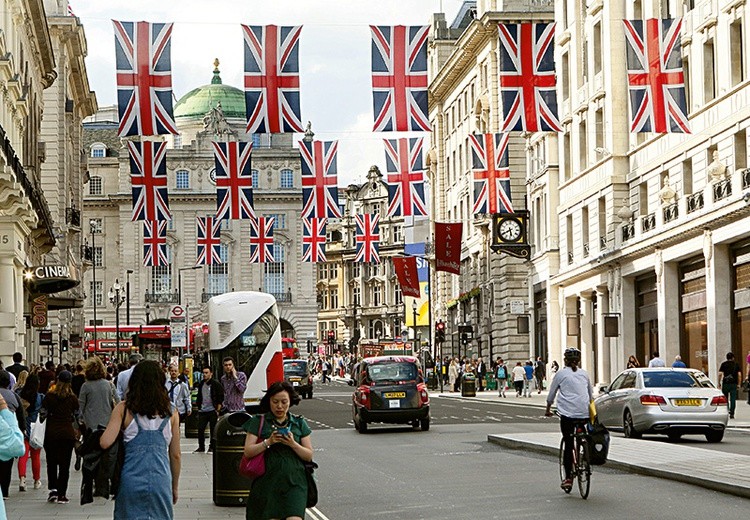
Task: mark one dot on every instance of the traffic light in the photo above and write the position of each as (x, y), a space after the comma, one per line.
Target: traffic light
(309, 346)
(464, 339)
(64, 345)
(440, 332)
(331, 337)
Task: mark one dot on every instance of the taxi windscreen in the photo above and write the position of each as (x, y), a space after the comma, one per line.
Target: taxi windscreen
(392, 372)
(297, 368)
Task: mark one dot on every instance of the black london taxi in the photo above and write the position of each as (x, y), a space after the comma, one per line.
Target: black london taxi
(297, 373)
(389, 389)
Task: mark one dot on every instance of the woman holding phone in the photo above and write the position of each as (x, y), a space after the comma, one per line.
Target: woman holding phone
(281, 493)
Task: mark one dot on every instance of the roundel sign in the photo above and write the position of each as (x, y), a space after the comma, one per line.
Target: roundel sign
(178, 311)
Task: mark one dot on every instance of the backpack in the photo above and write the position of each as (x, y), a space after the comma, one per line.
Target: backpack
(501, 372)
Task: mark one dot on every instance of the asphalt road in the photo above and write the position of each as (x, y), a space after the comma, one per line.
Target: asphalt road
(452, 472)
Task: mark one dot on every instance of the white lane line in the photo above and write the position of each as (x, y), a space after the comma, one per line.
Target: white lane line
(316, 514)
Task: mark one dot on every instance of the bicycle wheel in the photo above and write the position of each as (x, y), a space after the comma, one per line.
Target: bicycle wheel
(583, 470)
(562, 465)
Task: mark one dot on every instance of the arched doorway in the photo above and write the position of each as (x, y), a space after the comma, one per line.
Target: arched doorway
(287, 330)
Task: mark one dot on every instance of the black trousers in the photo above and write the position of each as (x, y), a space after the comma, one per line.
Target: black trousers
(206, 419)
(568, 428)
(6, 472)
(59, 453)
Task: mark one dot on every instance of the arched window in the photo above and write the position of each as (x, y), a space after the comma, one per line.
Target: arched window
(183, 179)
(287, 178)
(98, 150)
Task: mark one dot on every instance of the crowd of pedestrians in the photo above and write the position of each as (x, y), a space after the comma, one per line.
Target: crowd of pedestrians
(523, 377)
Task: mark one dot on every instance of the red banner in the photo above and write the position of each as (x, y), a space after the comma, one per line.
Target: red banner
(448, 247)
(406, 272)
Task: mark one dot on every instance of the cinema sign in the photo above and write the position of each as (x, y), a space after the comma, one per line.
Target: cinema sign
(50, 279)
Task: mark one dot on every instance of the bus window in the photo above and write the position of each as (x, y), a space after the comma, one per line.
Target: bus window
(247, 348)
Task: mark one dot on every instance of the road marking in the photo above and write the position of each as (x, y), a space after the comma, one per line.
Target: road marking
(316, 514)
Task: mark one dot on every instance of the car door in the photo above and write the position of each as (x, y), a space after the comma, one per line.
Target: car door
(604, 403)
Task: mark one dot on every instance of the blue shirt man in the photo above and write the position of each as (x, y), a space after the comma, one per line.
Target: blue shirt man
(678, 363)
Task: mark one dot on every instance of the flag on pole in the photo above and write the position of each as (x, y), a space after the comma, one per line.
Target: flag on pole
(148, 179)
(399, 78)
(314, 239)
(489, 154)
(144, 78)
(209, 241)
(656, 81)
(155, 243)
(367, 238)
(261, 240)
(319, 178)
(527, 77)
(272, 101)
(405, 177)
(234, 181)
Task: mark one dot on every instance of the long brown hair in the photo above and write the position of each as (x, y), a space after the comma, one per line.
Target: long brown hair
(146, 394)
(62, 389)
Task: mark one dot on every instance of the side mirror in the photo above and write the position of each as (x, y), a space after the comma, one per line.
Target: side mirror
(604, 389)
(350, 382)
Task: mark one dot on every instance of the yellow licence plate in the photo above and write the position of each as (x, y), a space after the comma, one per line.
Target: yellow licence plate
(688, 402)
(394, 395)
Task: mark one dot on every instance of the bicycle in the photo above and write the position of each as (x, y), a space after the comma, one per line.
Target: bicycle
(581, 470)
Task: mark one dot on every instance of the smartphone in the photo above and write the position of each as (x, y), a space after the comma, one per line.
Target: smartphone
(283, 431)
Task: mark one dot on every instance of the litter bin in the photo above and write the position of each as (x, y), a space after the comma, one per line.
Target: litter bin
(191, 421)
(469, 385)
(230, 488)
(432, 381)
(490, 383)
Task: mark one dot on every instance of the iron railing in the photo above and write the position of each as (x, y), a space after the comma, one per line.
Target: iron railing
(165, 297)
(648, 222)
(628, 231)
(694, 202)
(722, 189)
(670, 212)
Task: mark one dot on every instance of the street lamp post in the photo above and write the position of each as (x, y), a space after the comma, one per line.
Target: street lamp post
(94, 228)
(127, 295)
(148, 313)
(117, 300)
(414, 319)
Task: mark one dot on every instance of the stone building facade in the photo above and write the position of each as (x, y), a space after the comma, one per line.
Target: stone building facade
(192, 193)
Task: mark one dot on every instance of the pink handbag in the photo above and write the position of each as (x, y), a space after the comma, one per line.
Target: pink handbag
(254, 467)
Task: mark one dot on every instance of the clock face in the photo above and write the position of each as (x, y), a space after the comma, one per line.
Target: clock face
(510, 230)
(212, 176)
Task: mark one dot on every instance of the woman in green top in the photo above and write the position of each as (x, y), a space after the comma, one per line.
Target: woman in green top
(281, 493)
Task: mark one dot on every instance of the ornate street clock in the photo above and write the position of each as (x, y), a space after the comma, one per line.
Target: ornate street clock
(510, 234)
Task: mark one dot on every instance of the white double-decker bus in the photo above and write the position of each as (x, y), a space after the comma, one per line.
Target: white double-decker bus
(245, 327)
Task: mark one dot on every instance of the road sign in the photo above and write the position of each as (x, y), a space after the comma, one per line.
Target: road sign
(177, 326)
(177, 311)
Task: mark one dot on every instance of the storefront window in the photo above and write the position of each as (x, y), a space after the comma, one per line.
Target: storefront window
(694, 337)
(647, 336)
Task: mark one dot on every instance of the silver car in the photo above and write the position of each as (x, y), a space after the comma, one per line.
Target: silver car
(671, 401)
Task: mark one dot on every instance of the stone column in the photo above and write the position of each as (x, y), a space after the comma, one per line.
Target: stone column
(718, 308)
(585, 322)
(668, 306)
(625, 344)
(603, 369)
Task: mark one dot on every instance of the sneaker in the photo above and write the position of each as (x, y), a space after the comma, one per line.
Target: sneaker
(731, 416)
(37, 484)
(52, 498)
(22, 485)
(78, 463)
(210, 449)
(567, 485)
(199, 450)
(63, 500)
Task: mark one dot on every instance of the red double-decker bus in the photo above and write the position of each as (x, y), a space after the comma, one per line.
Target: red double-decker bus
(289, 348)
(133, 338)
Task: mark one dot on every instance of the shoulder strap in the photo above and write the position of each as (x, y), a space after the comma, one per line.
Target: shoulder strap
(164, 422)
(262, 420)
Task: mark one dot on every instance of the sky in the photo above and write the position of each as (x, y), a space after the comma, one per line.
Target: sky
(334, 56)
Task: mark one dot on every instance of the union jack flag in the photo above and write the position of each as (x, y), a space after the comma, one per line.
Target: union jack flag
(656, 81)
(144, 78)
(399, 78)
(234, 181)
(155, 243)
(261, 240)
(405, 176)
(148, 177)
(209, 241)
(314, 240)
(489, 154)
(272, 79)
(527, 77)
(319, 190)
(368, 238)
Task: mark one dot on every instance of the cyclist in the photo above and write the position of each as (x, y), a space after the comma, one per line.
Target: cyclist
(576, 393)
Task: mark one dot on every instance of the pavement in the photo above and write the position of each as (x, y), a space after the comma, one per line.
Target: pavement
(726, 471)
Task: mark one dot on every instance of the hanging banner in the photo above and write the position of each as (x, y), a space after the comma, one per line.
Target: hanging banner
(406, 272)
(448, 247)
(423, 275)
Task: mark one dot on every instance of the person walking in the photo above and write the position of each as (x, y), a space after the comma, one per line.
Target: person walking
(730, 374)
(97, 398)
(234, 384)
(14, 405)
(325, 369)
(678, 362)
(481, 371)
(656, 361)
(453, 374)
(501, 375)
(11, 440)
(281, 492)
(31, 400)
(528, 369)
(553, 368)
(633, 362)
(540, 373)
(209, 402)
(178, 393)
(20, 381)
(46, 377)
(575, 393)
(150, 474)
(519, 375)
(60, 407)
(123, 376)
(17, 367)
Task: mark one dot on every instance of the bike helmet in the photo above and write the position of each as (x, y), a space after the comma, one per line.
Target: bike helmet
(572, 354)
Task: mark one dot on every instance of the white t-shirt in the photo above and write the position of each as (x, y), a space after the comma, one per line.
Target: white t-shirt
(656, 362)
(575, 393)
(131, 430)
(519, 374)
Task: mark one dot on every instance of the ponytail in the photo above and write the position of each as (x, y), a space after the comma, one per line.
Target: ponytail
(573, 365)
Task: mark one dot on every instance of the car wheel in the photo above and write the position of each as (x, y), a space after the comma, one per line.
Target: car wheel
(425, 424)
(627, 427)
(674, 436)
(715, 436)
(415, 424)
(362, 428)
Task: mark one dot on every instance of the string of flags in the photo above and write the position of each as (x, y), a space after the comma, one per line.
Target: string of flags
(528, 95)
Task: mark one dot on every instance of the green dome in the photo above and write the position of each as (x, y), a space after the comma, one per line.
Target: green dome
(197, 102)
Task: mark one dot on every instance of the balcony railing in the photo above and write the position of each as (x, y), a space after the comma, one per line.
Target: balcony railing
(648, 222)
(670, 212)
(285, 297)
(628, 231)
(166, 297)
(722, 189)
(694, 202)
(746, 178)
(205, 296)
(73, 217)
